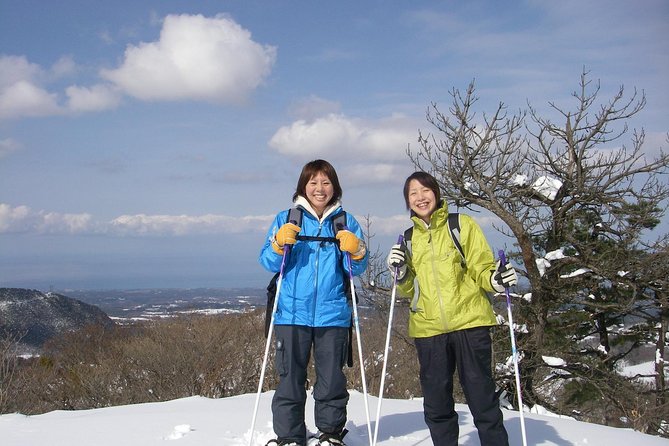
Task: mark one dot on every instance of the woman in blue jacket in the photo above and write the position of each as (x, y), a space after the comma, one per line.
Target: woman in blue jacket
(313, 309)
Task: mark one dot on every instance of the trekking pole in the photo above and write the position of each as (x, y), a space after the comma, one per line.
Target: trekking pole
(357, 335)
(386, 349)
(502, 259)
(286, 251)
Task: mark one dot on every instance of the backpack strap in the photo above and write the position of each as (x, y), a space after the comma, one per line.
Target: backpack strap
(338, 223)
(454, 230)
(295, 216)
(408, 234)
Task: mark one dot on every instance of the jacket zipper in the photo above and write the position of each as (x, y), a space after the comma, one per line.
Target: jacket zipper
(318, 254)
(436, 279)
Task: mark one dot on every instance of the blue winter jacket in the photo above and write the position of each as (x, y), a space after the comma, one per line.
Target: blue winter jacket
(312, 290)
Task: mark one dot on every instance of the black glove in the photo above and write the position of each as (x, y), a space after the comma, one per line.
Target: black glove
(503, 277)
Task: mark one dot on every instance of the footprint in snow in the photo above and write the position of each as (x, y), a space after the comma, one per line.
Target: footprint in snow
(179, 431)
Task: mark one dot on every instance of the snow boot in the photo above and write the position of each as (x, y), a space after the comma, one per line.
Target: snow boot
(278, 442)
(325, 439)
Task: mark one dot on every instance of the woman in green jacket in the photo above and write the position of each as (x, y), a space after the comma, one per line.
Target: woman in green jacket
(451, 314)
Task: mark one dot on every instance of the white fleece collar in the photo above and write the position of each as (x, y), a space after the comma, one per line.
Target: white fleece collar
(302, 202)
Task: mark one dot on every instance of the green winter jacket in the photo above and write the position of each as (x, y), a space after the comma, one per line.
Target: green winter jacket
(446, 295)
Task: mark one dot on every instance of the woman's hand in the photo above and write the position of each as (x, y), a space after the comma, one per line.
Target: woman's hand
(286, 235)
(349, 242)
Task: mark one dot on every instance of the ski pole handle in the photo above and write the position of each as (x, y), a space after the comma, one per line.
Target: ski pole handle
(502, 263)
(287, 247)
(400, 240)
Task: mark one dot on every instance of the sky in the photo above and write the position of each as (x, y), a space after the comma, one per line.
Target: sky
(200, 421)
(149, 144)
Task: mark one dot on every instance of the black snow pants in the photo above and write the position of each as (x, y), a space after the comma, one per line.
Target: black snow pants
(471, 352)
(293, 348)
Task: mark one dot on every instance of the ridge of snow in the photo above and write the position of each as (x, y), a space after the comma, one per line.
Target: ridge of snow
(199, 421)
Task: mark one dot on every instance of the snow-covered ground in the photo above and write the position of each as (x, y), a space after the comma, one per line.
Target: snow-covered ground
(198, 421)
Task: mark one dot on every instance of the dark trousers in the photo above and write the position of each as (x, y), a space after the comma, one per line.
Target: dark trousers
(471, 352)
(293, 348)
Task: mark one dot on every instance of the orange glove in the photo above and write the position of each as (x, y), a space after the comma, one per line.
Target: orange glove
(286, 235)
(349, 242)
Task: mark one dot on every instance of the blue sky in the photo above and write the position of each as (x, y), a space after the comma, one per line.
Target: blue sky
(150, 143)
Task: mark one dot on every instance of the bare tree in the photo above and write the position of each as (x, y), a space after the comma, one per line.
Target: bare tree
(376, 283)
(8, 364)
(578, 208)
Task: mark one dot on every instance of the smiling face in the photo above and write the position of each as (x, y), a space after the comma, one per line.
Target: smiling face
(421, 200)
(319, 191)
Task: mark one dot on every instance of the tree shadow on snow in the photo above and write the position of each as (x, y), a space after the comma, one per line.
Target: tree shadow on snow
(402, 424)
(535, 430)
(406, 424)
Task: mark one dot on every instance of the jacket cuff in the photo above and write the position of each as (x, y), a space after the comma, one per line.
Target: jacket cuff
(275, 246)
(360, 253)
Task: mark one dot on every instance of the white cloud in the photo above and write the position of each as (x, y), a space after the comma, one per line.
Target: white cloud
(24, 98)
(142, 224)
(64, 66)
(7, 146)
(14, 69)
(21, 94)
(23, 219)
(337, 136)
(57, 223)
(12, 218)
(96, 98)
(196, 58)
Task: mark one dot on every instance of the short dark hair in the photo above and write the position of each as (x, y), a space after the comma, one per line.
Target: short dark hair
(426, 180)
(309, 171)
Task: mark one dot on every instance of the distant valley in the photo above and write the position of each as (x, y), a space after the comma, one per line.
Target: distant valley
(141, 304)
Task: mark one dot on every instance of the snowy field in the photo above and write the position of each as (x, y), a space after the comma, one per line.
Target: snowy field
(198, 421)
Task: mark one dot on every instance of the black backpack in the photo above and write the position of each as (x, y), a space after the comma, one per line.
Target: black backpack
(338, 223)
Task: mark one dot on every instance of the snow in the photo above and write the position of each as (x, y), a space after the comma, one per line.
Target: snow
(542, 265)
(576, 273)
(554, 362)
(644, 371)
(548, 187)
(199, 421)
(520, 180)
(555, 255)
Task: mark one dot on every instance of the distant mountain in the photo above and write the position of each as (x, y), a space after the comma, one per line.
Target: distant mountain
(36, 317)
(125, 305)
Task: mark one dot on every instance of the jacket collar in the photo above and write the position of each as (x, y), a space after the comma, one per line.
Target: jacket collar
(303, 203)
(437, 218)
